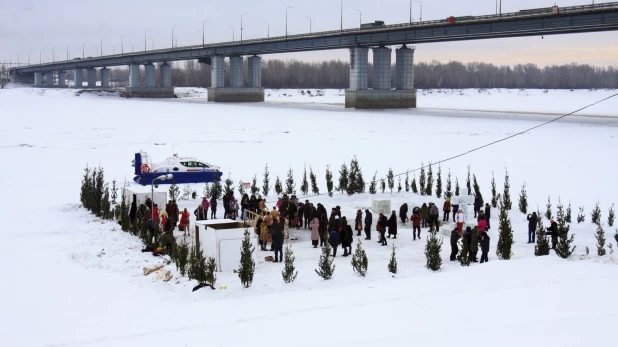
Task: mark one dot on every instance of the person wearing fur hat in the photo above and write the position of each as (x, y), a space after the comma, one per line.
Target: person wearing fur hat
(392, 225)
(358, 222)
(447, 210)
(382, 224)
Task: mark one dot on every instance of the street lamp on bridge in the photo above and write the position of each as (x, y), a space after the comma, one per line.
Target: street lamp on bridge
(122, 44)
(286, 20)
(360, 17)
(268, 32)
(421, 17)
(102, 46)
(84, 49)
(173, 26)
(233, 35)
(68, 52)
(309, 24)
(145, 41)
(244, 14)
(204, 21)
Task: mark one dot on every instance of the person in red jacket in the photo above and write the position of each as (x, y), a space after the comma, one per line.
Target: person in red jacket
(164, 219)
(416, 225)
(184, 222)
(155, 213)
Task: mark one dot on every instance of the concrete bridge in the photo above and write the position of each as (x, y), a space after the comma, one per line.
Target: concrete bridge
(537, 22)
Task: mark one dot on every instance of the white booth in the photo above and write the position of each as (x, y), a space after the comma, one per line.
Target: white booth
(141, 193)
(381, 206)
(222, 239)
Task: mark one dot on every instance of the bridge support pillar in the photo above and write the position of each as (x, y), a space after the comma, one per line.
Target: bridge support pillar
(382, 96)
(149, 78)
(166, 75)
(61, 79)
(217, 72)
(134, 75)
(50, 79)
(78, 78)
(104, 77)
(38, 79)
(92, 77)
(359, 67)
(254, 73)
(236, 92)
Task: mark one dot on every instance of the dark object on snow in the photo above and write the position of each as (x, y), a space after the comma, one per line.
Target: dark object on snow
(147, 249)
(202, 285)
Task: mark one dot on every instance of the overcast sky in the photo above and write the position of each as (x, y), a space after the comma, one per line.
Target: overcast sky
(31, 25)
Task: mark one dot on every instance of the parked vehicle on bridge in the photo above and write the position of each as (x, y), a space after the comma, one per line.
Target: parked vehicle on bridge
(184, 170)
(453, 19)
(554, 10)
(373, 25)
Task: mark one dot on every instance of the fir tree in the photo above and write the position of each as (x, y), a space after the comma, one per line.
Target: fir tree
(84, 195)
(542, 246)
(193, 264)
(399, 188)
(432, 251)
(99, 189)
(600, 236)
(304, 185)
(374, 184)
(567, 217)
(506, 197)
(254, 187)
(477, 190)
(407, 182)
(563, 248)
(329, 181)
(392, 264)
(343, 178)
(439, 182)
(505, 236)
(456, 186)
(290, 186)
(359, 260)
(289, 274)
(611, 217)
(616, 236)
(326, 268)
(278, 187)
(383, 186)
(523, 199)
(105, 203)
(174, 191)
(114, 193)
(468, 184)
(211, 271)
(216, 190)
(314, 182)
(596, 214)
(356, 182)
(181, 256)
(581, 217)
(449, 186)
(391, 179)
(124, 212)
(463, 256)
(241, 189)
(266, 182)
(421, 180)
(548, 212)
(494, 193)
(247, 264)
(414, 186)
(429, 185)
(206, 191)
(200, 269)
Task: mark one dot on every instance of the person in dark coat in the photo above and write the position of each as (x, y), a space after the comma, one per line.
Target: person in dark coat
(323, 229)
(350, 238)
(553, 232)
(244, 205)
(484, 247)
(132, 212)
(478, 204)
(292, 209)
(333, 222)
(226, 205)
(343, 240)
(532, 220)
(309, 213)
(368, 224)
(382, 225)
(213, 208)
(487, 215)
(403, 212)
(343, 224)
(276, 232)
(446, 208)
(416, 225)
(454, 249)
(424, 215)
(358, 222)
(200, 213)
(321, 211)
(392, 225)
(473, 247)
(434, 216)
(333, 239)
(455, 207)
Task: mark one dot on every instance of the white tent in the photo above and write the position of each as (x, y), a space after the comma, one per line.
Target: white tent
(141, 193)
(222, 239)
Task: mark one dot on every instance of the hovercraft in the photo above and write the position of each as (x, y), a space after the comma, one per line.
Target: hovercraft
(182, 169)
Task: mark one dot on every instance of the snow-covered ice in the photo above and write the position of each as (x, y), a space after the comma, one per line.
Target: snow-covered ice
(57, 291)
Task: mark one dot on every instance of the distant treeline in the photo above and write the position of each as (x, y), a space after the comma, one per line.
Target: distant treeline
(336, 74)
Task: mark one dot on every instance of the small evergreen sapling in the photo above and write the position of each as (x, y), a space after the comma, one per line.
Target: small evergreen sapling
(567, 217)
(383, 185)
(206, 191)
(343, 178)
(494, 193)
(611, 217)
(407, 182)
(241, 189)
(314, 182)
(414, 186)
(329, 181)
(468, 184)
(505, 235)
(600, 236)
(182, 256)
(581, 217)
(542, 246)
(477, 190)
(563, 248)
(373, 185)
(432, 251)
(289, 272)
(326, 268)
(359, 260)
(211, 271)
(266, 182)
(506, 197)
(548, 212)
(596, 214)
(246, 269)
(399, 188)
(523, 199)
(421, 180)
(456, 186)
(429, 185)
(216, 190)
(463, 257)
(449, 186)
(278, 186)
(439, 182)
(356, 182)
(391, 179)
(392, 264)
(304, 185)
(254, 187)
(290, 186)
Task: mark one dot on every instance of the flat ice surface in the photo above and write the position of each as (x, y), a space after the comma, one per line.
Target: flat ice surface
(72, 280)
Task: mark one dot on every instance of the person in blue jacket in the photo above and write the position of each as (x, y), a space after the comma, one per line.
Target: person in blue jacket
(333, 239)
(484, 247)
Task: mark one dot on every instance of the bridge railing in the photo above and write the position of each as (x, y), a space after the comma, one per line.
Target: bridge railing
(330, 33)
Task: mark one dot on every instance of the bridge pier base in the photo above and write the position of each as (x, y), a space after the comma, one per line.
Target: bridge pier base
(92, 78)
(165, 70)
(236, 92)
(61, 79)
(50, 80)
(78, 78)
(38, 79)
(104, 77)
